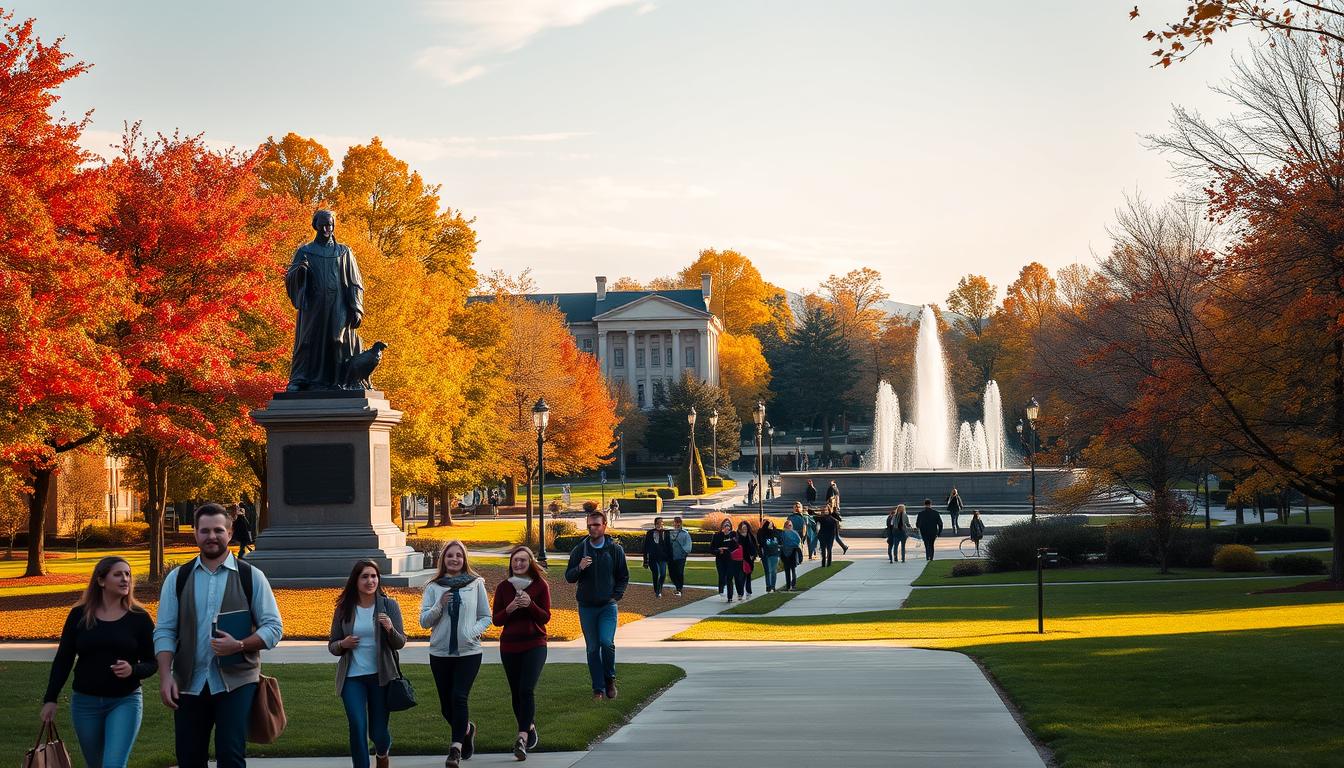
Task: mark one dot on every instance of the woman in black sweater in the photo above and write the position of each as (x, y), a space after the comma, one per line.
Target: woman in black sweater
(747, 538)
(723, 545)
(108, 639)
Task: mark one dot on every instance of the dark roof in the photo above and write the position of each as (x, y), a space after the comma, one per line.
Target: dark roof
(583, 307)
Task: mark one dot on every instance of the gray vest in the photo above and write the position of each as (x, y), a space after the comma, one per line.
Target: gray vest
(184, 661)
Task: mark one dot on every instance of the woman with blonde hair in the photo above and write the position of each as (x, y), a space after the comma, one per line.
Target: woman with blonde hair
(456, 610)
(366, 633)
(108, 639)
(522, 608)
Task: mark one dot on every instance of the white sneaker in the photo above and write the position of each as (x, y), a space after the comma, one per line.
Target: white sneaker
(678, 593)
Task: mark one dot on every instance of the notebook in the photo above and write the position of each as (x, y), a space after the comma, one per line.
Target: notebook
(239, 625)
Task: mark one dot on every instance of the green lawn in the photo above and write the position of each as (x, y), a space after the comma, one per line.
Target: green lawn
(772, 600)
(939, 572)
(1158, 674)
(567, 718)
(699, 573)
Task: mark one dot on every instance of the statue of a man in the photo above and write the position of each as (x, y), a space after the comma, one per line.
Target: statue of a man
(324, 285)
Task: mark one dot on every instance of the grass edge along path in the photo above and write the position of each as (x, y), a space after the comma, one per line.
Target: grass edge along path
(938, 573)
(772, 600)
(1203, 673)
(567, 718)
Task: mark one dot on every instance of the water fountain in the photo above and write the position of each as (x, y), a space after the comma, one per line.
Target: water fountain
(927, 456)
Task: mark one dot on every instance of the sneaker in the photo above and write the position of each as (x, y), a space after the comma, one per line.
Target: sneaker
(533, 738)
(678, 593)
(611, 688)
(454, 758)
(469, 744)
(380, 761)
(520, 748)
(599, 695)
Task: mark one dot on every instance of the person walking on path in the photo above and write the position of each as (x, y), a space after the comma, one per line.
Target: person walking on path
(657, 554)
(827, 527)
(767, 539)
(597, 565)
(727, 557)
(791, 554)
(834, 505)
(366, 632)
(833, 492)
(977, 530)
(747, 538)
(751, 491)
(681, 549)
(811, 534)
(898, 530)
(242, 530)
(108, 640)
(456, 610)
(208, 677)
(810, 493)
(614, 510)
(523, 608)
(954, 509)
(930, 524)
(797, 517)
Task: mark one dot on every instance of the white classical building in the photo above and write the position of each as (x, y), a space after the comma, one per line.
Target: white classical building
(644, 340)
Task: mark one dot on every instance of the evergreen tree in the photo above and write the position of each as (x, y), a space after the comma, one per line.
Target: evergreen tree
(668, 433)
(816, 372)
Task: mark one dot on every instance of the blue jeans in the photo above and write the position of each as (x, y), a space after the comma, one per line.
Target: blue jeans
(768, 562)
(226, 714)
(598, 623)
(366, 712)
(659, 570)
(896, 548)
(106, 727)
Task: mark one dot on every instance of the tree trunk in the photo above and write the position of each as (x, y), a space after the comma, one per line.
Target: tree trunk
(826, 434)
(429, 509)
(446, 500)
(37, 521)
(510, 492)
(156, 486)
(1241, 509)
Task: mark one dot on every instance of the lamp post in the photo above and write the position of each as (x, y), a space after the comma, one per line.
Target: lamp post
(714, 437)
(770, 432)
(758, 416)
(798, 454)
(541, 414)
(1029, 442)
(690, 454)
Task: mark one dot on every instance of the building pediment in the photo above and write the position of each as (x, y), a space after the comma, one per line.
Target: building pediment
(653, 307)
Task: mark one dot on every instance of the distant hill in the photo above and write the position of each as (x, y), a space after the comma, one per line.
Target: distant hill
(889, 307)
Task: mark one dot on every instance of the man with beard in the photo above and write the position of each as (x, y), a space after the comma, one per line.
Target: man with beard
(208, 676)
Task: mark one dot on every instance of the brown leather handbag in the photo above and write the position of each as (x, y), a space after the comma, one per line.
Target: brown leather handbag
(48, 751)
(267, 720)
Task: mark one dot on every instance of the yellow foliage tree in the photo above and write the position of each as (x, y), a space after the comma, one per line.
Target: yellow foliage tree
(743, 372)
(739, 294)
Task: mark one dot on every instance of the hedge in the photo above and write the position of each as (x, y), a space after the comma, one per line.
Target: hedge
(1268, 533)
(667, 494)
(641, 505)
(714, 482)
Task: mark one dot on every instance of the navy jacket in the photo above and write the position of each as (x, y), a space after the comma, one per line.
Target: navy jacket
(605, 579)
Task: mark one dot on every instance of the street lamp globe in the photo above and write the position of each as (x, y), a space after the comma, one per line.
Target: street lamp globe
(714, 418)
(541, 414)
(758, 415)
(690, 417)
(1033, 410)
(1019, 428)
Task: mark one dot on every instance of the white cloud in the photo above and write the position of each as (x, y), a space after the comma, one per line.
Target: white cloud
(477, 30)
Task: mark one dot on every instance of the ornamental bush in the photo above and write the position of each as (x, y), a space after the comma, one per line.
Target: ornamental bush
(1234, 558)
(968, 568)
(117, 535)
(1297, 565)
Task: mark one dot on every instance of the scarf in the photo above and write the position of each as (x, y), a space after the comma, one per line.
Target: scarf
(520, 582)
(454, 584)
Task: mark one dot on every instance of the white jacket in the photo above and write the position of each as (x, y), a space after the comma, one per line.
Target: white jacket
(473, 618)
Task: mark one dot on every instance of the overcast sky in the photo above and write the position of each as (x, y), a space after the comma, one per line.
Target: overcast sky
(620, 137)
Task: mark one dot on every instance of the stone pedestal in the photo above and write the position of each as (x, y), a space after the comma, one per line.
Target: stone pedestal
(330, 491)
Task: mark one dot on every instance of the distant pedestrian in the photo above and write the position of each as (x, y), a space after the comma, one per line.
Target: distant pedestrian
(747, 538)
(791, 554)
(833, 493)
(108, 640)
(657, 554)
(954, 509)
(613, 510)
(798, 518)
(811, 533)
(834, 506)
(898, 530)
(767, 540)
(727, 557)
(751, 491)
(456, 610)
(977, 530)
(242, 530)
(366, 632)
(523, 607)
(597, 566)
(681, 549)
(827, 527)
(930, 524)
(810, 493)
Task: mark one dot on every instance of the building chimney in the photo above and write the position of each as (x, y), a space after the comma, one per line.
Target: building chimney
(706, 281)
(601, 288)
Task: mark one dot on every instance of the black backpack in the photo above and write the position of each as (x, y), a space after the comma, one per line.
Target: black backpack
(244, 575)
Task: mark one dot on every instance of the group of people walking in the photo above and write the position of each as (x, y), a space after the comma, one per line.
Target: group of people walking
(217, 613)
(929, 525)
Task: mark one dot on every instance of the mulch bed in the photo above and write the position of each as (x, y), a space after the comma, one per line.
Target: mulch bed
(1310, 586)
(42, 581)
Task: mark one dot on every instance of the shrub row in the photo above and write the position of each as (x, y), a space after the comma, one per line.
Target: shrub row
(633, 541)
(116, 535)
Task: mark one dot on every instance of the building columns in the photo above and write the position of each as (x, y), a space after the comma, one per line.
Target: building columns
(602, 364)
(703, 363)
(630, 365)
(676, 355)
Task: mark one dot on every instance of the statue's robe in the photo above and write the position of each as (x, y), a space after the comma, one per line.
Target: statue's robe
(329, 296)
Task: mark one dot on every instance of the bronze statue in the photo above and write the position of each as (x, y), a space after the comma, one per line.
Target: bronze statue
(324, 284)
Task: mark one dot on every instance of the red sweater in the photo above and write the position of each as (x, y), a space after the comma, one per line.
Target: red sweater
(525, 628)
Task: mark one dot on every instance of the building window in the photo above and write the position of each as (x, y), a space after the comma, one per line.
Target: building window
(588, 346)
(657, 390)
(619, 355)
(639, 394)
(690, 357)
(668, 353)
(639, 358)
(654, 358)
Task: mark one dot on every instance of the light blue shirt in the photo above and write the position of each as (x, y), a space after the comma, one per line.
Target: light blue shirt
(209, 594)
(362, 659)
